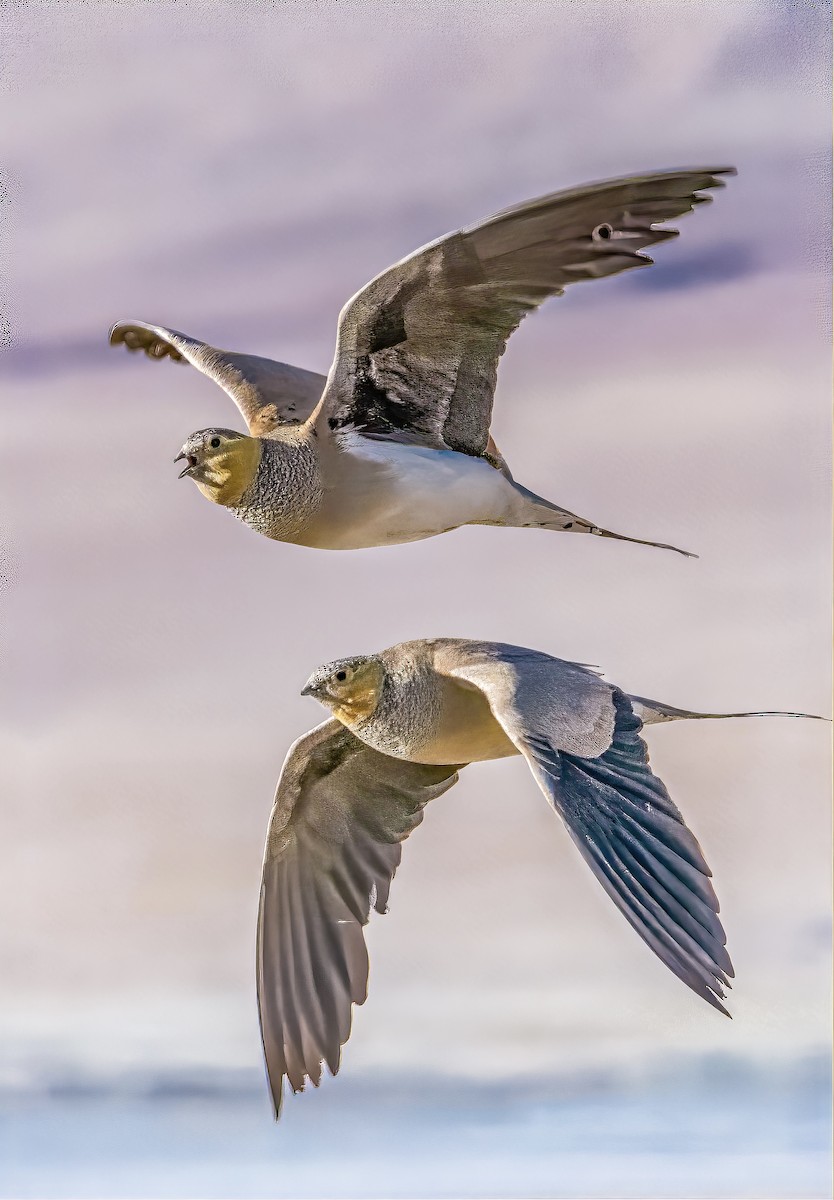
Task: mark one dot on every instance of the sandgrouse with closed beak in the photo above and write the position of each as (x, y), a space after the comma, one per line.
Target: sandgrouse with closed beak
(404, 722)
(394, 445)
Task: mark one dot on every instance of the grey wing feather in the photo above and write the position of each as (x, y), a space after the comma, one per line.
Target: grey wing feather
(618, 812)
(267, 393)
(418, 347)
(341, 812)
(530, 692)
(633, 837)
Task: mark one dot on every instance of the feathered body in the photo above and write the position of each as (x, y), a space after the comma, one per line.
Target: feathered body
(394, 445)
(353, 789)
(399, 493)
(286, 490)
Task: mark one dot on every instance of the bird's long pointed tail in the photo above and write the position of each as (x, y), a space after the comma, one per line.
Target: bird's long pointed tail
(652, 712)
(545, 515)
(622, 537)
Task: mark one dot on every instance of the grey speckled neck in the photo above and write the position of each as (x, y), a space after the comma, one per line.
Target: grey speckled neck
(286, 492)
(408, 712)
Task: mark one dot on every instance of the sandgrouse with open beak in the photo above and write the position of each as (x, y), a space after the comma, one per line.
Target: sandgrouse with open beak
(394, 445)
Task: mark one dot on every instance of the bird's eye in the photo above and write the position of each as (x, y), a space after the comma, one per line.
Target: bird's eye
(215, 443)
(341, 676)
(602, 233)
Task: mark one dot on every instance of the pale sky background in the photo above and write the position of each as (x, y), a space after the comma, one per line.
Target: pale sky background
(237, 173)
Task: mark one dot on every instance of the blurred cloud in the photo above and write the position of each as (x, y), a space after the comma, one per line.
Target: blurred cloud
(781, 49)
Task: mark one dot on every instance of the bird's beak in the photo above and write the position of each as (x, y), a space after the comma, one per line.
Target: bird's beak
(312, 689)
(186, 470)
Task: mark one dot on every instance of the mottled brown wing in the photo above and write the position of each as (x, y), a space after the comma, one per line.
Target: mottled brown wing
(341, 812)
(267, 393)
(418, 347)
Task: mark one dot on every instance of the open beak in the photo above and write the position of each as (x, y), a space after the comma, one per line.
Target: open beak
(186, 470)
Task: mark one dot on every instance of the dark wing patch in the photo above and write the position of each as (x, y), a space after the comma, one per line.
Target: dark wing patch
(269, 394)
(341, 812)
(418, 347)
(634, 839)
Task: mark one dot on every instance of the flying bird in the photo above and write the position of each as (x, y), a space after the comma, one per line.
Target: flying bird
(351, 791)
(394, 445)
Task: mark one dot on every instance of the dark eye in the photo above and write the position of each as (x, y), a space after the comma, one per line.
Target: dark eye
(341, 676)
(215, 443)
(603, 232)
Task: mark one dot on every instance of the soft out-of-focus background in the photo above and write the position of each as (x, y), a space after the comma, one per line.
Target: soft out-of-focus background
(237, 171)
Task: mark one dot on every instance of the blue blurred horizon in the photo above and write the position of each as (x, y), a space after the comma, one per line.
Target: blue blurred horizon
(708, 1128)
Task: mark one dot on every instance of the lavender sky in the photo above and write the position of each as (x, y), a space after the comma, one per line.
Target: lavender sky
(237, 173)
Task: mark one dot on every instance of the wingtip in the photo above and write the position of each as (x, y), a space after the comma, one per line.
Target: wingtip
(716, 173)
(118, 331)
(715, 1001)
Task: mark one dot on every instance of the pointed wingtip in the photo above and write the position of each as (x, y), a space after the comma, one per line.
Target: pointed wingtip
(715, 999)
(716, 173)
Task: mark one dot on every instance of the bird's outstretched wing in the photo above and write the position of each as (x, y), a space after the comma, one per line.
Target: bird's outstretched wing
(581, 739)
(341, 812)
(267, 393)
(418, 347)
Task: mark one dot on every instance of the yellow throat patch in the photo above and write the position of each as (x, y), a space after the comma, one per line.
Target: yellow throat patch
(359, 703)
(230, 470)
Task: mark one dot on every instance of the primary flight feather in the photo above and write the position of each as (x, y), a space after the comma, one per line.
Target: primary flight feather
(394, 445)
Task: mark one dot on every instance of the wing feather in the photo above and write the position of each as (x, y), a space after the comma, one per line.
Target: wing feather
(418, 347)
(618, 813)
(334, 843)
(268, 394)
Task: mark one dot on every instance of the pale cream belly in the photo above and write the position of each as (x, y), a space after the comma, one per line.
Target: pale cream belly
(384, 494)
(466, 730)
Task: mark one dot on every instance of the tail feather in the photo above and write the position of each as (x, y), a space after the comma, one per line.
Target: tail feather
(621, 537)
(540, 512)
(652, 712)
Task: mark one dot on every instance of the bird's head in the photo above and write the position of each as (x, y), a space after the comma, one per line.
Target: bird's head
(351, 687)
(221, 462)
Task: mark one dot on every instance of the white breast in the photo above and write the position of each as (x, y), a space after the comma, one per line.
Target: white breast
(415, 492)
